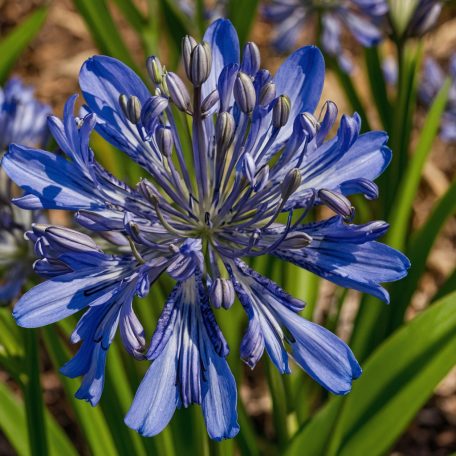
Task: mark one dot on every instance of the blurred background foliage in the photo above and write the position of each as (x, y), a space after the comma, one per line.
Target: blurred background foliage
(404, 403)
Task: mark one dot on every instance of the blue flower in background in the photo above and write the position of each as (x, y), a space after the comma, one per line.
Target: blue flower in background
(432, 80)
(22, 120)
(362, 18)
(424, 17)
(239, 185)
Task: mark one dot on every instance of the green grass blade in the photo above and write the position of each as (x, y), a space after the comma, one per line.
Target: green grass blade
(90, 419)
(131, 13)
(378, 85)
(104, 30)
(12, 421)
(242, 14)
(402, 209)
(418, 251)
(34, 406)
(12, 46)
(13, 424)
(397, 381)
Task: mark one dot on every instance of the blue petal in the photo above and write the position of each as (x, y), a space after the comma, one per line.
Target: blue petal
(219, 398)
(103, 79)
(157, 396)
(301, 78)
(62, 296)
(325, 357)
(361, 266)
(50, 178)
(224, 42)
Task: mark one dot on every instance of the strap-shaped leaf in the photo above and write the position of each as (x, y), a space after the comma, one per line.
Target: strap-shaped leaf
(397, 381)
(13, 426)
(12, 46)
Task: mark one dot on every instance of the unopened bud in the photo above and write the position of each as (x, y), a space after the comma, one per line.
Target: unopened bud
(261, 178)
(178, 92)
(281, 111)
(188, 44)
(224, 130)
(153, 107)
(209, 102)
(244, 93)
(309, 124)
(222, 293)
(267, 93)
(296, 240)
(337, 202)
(291, 183)
(251, 59)
(200, 64)
(69, 239)
(154, 69)
(164, 138)
(249, 168)
(131, 107)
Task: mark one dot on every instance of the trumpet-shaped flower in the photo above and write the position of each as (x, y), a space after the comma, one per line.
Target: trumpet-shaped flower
(238, 185)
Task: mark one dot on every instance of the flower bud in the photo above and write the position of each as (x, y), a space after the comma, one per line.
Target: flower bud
(188, 44)
(209, 102)
(68, 239)
(152, 108)
(164, 138)
(296, 240)
(200, 64)
(224, 130)
(249, 168)
(222, 293)
(244, 93)
(267, 93)
(281, 111)
(261, 178)
(291, 183)
(178, 92)
(337, 202)
(154, 69)
(309, 124)
(131, 107)
(251, 59)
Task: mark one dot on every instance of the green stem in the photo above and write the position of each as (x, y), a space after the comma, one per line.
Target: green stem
(33, 396)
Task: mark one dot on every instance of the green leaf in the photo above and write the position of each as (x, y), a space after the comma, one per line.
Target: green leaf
(402, 209)
(13, 425)
(12, 46)
(242, 14)
(398, 380)
(378, 85)
(418, 251)
(104, 30)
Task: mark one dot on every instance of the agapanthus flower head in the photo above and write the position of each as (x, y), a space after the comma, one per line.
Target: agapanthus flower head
(432, 80)
(23, 119)
(238, 185)
(362, 18)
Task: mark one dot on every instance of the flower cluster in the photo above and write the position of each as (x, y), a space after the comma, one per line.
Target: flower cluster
(22, 120)
(239, 185)
(360, 17)
(432, 80)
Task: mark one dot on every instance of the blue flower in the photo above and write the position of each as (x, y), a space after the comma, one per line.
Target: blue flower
(257, 153)
(432, 80)
(360, 17)
(23, 120)
(424, 17)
